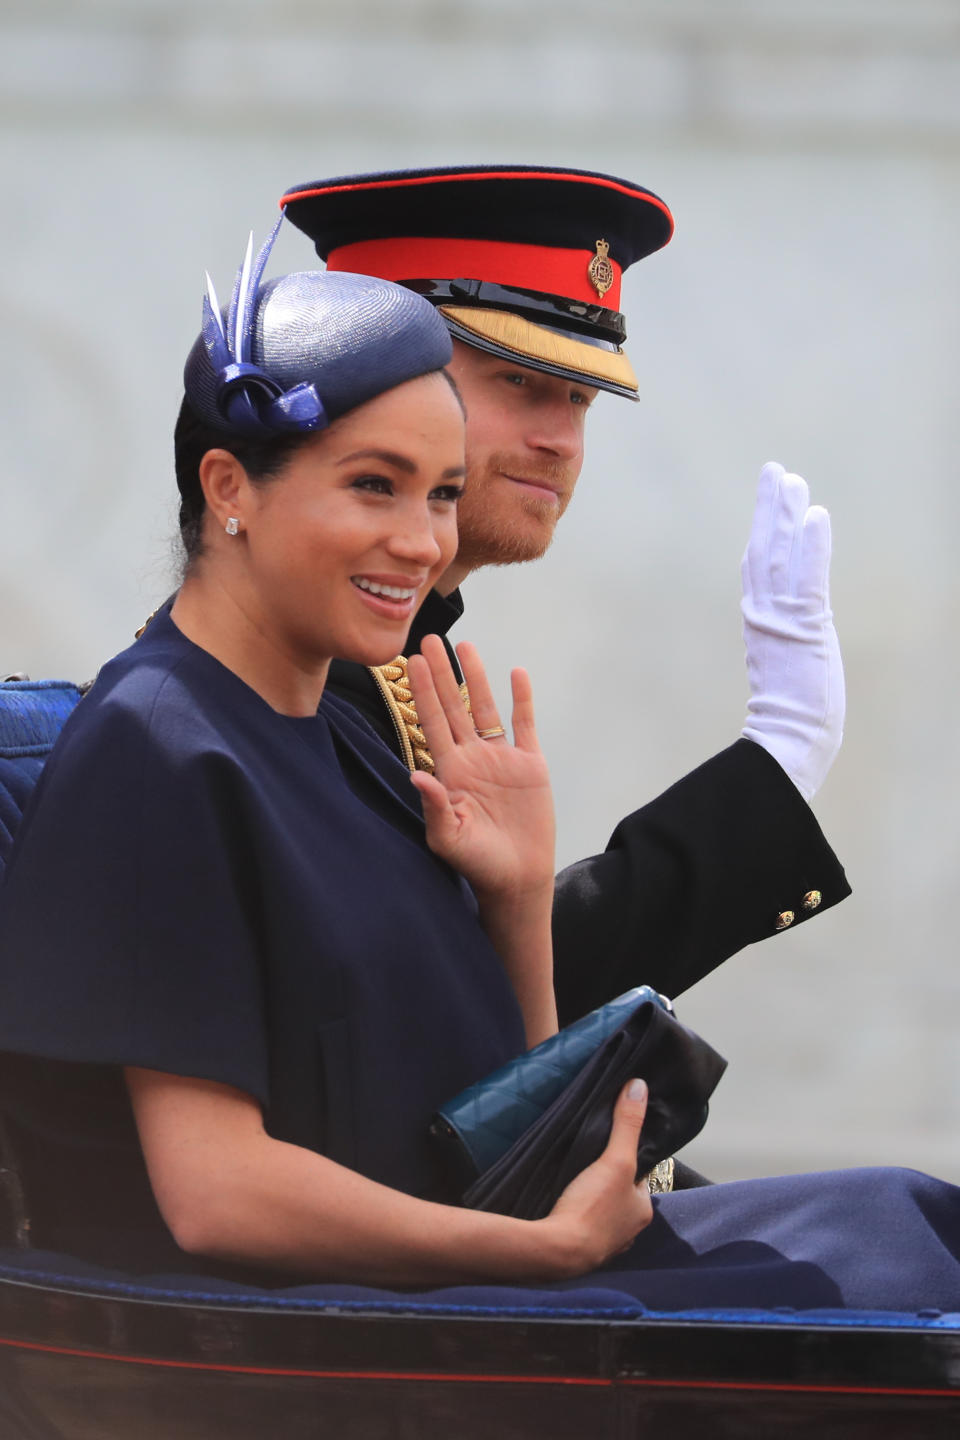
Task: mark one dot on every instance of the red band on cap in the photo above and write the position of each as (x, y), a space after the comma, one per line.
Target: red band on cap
(530, 267)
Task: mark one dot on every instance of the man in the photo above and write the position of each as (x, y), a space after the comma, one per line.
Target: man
(525, 266)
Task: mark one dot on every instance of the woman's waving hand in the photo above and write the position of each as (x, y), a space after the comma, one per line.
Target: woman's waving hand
(488, 807)
(489, 813)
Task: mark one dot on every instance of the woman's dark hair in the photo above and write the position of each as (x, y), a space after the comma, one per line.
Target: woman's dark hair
(456, 391)
(262, 458)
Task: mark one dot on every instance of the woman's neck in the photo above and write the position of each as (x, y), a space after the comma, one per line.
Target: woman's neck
(226, 624)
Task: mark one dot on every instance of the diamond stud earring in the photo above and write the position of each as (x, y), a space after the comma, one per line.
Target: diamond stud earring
(232, 526)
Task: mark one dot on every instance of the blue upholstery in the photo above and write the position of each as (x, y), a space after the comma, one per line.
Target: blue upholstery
(62, 1272)
(32, 714)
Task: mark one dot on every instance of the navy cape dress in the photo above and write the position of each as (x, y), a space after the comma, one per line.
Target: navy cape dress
(205, 887)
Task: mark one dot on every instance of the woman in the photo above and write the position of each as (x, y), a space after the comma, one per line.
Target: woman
(238, 982)
(261, 945)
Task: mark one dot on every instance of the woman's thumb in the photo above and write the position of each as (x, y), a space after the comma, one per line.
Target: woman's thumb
(628, 1117)
(437, 810)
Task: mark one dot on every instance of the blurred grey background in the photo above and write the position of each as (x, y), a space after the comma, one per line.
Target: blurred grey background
(806, 311)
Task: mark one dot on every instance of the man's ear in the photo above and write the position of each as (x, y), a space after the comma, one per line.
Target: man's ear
(226, 487)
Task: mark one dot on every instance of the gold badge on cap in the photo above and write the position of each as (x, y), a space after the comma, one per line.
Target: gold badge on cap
(600, 269)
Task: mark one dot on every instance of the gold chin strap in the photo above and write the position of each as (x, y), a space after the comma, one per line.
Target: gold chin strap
(391, 680)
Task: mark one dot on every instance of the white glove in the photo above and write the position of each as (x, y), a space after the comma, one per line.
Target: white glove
(797, 699)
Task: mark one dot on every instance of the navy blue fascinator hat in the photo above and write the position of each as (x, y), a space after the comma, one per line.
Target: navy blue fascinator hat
(292, 355)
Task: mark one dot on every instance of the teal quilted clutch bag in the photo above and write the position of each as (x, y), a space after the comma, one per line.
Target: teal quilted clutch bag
(517, 1138)
(477, 1126)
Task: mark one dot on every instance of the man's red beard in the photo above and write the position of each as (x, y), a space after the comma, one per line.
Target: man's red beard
(499, 522)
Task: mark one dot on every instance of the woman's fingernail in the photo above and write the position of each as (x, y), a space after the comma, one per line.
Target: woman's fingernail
(637, 1090)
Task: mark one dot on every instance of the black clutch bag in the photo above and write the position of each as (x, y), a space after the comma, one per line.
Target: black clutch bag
(523, 1174)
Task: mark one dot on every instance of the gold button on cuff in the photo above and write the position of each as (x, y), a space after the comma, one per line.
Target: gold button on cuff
(785, 918)
(812, 899)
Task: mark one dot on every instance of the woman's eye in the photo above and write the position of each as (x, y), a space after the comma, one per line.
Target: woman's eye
(376, 484)
(450, 493)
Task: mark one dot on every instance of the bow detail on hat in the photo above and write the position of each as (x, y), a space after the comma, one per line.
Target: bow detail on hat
(252, 401)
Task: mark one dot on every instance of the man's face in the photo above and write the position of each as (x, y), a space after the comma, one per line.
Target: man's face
(524, 453)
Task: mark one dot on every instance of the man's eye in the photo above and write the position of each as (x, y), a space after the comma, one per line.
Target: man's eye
(376, 484)
(514, 377)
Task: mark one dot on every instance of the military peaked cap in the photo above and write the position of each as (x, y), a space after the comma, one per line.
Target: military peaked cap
(523, 261)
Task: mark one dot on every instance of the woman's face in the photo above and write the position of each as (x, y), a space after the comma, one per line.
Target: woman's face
(343, 546)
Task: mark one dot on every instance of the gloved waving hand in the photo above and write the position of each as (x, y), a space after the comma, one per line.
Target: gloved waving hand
(797, 696)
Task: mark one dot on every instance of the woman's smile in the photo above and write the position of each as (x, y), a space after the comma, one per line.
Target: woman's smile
(393, 596)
